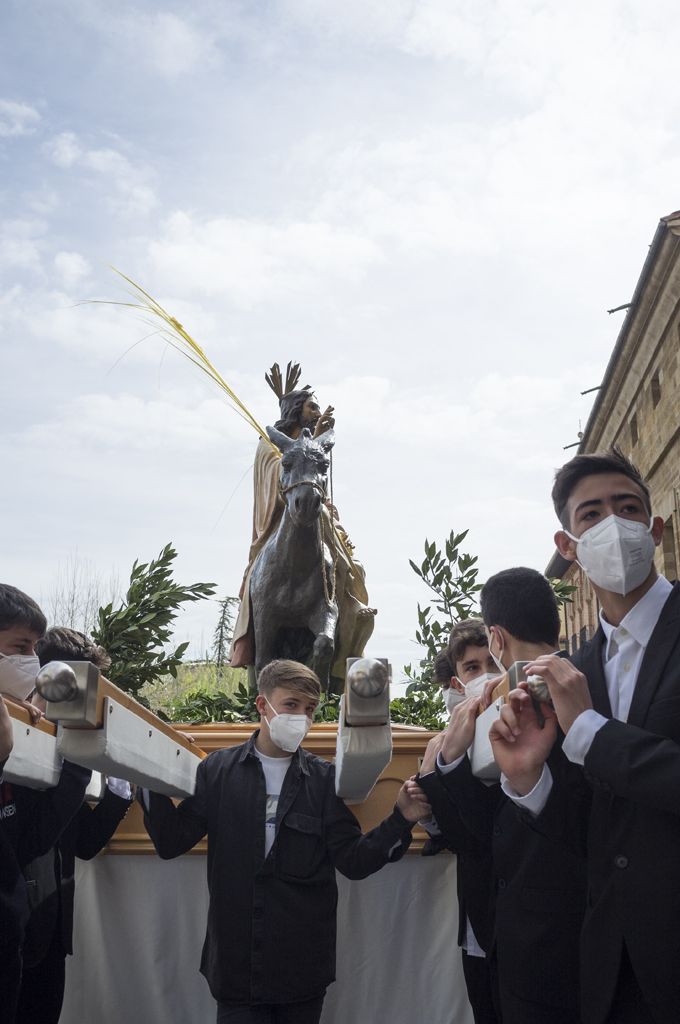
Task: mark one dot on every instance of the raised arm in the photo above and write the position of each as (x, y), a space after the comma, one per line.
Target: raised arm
(175, 829)
(444, 812)
(97, 824)
(358, 855)
(623, 759)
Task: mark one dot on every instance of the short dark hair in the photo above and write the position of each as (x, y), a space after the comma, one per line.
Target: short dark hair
(468, 632)
(292, 675)
(18, 609)
(63, 644)
(522, 601)
(613, 461)
(442, 669)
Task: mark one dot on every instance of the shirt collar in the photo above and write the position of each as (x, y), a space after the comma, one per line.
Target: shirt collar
(640, 621)
(299, 757)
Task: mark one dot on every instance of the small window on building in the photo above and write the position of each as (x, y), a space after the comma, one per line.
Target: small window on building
(656, 389)
(633, 430)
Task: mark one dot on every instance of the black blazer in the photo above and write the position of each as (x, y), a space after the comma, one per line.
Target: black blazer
(474, 872)
(50, 878)
(538, 894)
(634, 829)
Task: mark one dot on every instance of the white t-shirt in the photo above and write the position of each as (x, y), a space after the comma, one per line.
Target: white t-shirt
(274, 769)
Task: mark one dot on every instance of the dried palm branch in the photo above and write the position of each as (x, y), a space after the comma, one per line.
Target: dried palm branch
(179, 338)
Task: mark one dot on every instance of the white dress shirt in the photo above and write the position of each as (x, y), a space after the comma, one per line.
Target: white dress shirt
(622, 654)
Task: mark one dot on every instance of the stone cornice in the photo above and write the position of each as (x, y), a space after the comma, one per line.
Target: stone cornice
(652, 298)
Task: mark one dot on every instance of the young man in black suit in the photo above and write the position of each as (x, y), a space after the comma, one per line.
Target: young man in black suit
(619, 707)
(536, 886)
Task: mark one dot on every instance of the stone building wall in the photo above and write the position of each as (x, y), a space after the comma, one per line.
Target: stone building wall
(638, 409)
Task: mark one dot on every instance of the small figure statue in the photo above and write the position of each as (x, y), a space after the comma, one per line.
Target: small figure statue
(325, 603)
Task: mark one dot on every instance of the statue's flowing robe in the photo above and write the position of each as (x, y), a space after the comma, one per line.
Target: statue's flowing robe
(351, 595)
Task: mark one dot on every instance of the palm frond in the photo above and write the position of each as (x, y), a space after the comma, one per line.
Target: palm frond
(175, 334)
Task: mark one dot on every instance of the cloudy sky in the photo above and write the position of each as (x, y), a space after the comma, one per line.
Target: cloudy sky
(429, 203)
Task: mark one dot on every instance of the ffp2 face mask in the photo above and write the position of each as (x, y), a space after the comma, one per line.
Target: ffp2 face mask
(17, 674)
(288, 731)
(616, 554)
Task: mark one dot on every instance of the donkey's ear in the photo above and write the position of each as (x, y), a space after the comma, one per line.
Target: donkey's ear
(326, 440)
(281, 440)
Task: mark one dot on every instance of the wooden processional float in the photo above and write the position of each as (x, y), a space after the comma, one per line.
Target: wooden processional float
(482, 761)
(93, 723)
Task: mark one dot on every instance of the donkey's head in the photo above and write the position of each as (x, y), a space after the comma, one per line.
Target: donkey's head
(304, 472)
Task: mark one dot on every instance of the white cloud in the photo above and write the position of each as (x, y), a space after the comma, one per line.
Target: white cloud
(135, 195)
(64, 149)
(71, 267)
(160, 41)
(252, 260)
(381, 22)
(128, 188)
(17, 119)
(43, 201)
(21, 245)
(171, 45)
(126, 423)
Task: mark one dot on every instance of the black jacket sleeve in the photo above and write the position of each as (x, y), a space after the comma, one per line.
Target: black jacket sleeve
(476, 803)
(96, 825)
(353, 853)
(564, 819)
(174, 830)
(638, 765)
(445, 812)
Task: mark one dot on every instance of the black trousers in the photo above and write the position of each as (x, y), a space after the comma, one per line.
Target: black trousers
(308, 1012)
(10, 981)
(479, 984)
(42, 988)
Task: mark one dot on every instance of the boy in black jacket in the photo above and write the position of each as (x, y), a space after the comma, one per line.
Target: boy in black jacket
(276, 833)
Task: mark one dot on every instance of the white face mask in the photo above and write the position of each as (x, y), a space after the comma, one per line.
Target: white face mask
(475, 688)
(452, 697)
(17, 674)
(616, 554)
(288, 731)
(499, 664)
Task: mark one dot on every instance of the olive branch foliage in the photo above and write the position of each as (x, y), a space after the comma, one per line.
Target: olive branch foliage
(136, 632)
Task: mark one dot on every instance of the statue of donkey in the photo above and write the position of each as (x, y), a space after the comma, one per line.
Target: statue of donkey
(292, 582)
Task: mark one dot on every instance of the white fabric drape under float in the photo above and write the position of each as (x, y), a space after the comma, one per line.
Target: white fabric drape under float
(140, 924)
